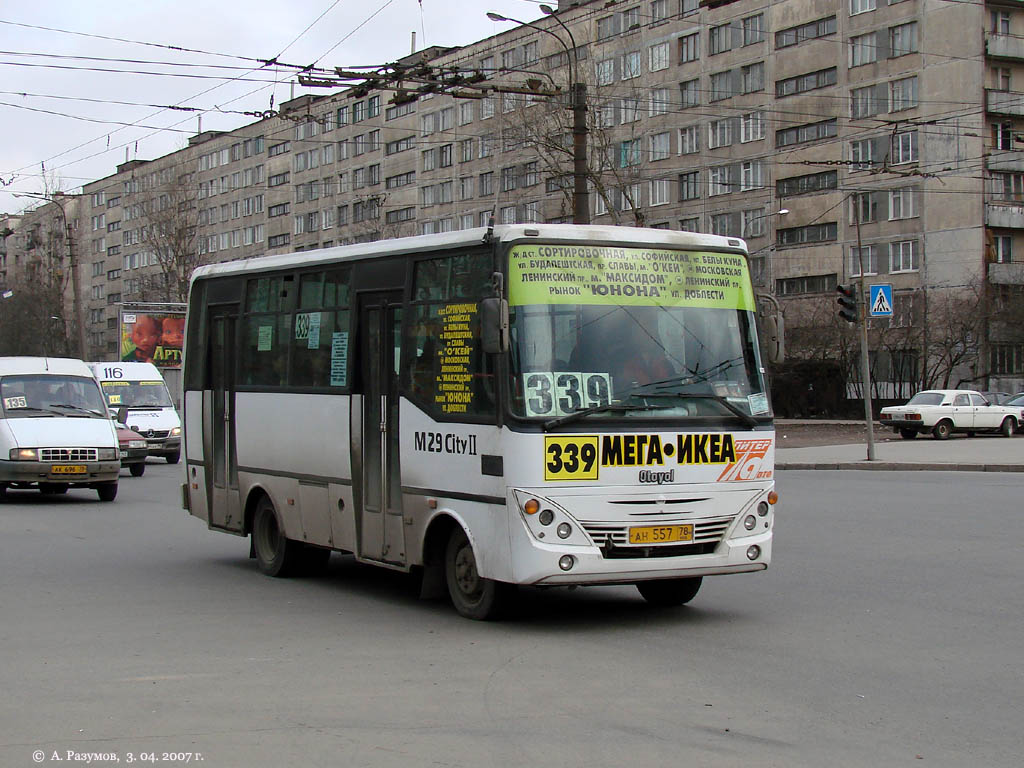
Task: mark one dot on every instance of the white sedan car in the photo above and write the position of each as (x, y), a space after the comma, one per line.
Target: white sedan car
(945, 411)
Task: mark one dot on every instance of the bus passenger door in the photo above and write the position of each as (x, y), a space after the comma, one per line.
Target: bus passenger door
(381, 530)
(223, 482)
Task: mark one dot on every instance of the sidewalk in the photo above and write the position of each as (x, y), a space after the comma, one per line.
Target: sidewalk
(982, 453)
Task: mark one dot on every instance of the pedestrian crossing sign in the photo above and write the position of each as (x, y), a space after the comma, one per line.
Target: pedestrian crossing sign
(881, 300)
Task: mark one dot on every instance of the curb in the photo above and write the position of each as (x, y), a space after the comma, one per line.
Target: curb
(896, 466)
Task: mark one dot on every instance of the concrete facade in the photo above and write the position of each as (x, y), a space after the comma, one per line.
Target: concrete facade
(901, 114)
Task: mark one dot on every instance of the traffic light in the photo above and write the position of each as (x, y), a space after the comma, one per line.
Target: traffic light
(847, 302)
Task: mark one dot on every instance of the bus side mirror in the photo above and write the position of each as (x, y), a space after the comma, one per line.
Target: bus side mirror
(122, 415)
(774, 338)
(494, 325)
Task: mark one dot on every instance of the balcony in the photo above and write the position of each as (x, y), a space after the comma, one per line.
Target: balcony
(1006, 274)
(1004, 102)
(1005, 161)
(1004, 216)
(1004, 46)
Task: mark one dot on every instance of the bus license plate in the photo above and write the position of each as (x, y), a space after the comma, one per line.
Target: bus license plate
(68, 469)
(660, 534)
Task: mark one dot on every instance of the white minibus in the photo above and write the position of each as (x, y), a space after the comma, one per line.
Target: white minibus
(139, 388)
(55, 430)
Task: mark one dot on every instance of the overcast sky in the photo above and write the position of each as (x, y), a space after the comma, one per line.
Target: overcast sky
(37, 66)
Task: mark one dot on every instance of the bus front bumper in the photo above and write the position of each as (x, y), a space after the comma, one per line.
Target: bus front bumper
(538, 563)
(32, 472)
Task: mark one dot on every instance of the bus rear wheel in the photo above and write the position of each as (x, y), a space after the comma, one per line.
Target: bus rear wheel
(670, 592)
(472, 595)
(275, 554)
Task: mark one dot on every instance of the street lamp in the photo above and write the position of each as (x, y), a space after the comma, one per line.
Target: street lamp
(578, 105)
(73, 266)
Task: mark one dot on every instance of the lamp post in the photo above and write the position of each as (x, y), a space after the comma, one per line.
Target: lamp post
(578, 105)
(76, 298)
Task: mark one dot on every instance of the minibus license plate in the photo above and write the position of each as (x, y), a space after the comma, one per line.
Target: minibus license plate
(660, 534)
(68, 469)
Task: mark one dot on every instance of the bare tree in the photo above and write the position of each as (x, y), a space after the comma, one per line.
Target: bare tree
(170, 234)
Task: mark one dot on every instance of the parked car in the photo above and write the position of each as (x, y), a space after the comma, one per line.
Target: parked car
(999, 398)
(133, 449)
(945, 411)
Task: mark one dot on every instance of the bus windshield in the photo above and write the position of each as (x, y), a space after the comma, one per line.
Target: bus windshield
(634, 333)
(34, 395)
(136, 394)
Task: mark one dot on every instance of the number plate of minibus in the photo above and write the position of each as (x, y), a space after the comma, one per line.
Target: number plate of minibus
(68, 469)
(661, 534)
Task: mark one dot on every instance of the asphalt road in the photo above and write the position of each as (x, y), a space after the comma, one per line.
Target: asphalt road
(887, 632)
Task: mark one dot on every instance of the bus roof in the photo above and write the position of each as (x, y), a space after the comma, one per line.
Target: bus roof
(503, 233)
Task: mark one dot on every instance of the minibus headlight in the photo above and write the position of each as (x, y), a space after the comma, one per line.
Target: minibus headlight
(175, 431)
(546, 517)
(106, 454)
(762, 508)
(24, 454)
(749, 522)
(563, 530)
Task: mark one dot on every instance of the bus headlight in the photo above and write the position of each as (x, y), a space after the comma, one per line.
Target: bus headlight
(546, 516)
(753, 552)
(24, 454)
(762, 509)
(749, 522)
(563, 530)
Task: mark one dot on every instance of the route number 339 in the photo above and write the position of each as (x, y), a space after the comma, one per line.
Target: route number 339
(571, 458)
(556, 393)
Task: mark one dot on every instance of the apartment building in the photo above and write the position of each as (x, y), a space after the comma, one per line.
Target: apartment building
(840, 139)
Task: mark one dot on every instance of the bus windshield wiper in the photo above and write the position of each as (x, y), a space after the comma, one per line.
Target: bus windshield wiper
(616, 406)
(742, 415)
(33, 408)
(71, 407)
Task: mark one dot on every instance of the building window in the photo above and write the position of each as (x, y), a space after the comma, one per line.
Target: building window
(864, 207)
(689, 140)
(802, 134)
(719, 180)
(630, 153)
(631, 65)
(753, 29)
(753, 221)
(689, 186)
(861, 6)
(605, 72)
(802, 185)
(689, 48)
(660, 145)
(660, 101)
(660, 192)
(1000, 22)
(721, 86)
(902, 203)
(720, 133)
(690, 224)
(903, 94)
(823, 78)
(862, 154)
(751, 127)
(867, 254)
(904, 256)
(862, 49)
(1002, 135)
(810, 284)
(1002, 249)
(658, 57)
(810, 233)
(810, 31)
(904, 148)
(689, 93)
(903, 39)
(753, 77)
(718, 39)
(751, 175)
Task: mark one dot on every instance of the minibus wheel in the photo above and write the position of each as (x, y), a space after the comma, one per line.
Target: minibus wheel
(472, 595)
(107, 491)
(275, 554)
(670, 592)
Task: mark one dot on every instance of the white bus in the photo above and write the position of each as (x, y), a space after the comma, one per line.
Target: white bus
(522, 405)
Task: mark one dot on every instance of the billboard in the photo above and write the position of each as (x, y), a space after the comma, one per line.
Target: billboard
(152, 337)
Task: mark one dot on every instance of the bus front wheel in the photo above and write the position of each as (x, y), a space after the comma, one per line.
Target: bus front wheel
(472, 595)
(670, 592)
(275, 554)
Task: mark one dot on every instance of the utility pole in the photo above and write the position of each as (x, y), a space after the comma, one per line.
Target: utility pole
(865, 362)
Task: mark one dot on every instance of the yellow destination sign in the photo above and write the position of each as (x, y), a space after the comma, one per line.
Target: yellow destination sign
(581, 274)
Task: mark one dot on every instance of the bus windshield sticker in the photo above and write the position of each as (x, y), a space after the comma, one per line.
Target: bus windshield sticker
(455, 377)
(652, 277)
(15, 402)
(313, 341)
(265, 340)
(114, 399)
(339, 359)
(558, 393)
(758, 403)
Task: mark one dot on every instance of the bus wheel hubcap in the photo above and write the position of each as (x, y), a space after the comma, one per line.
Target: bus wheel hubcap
(465, 571)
